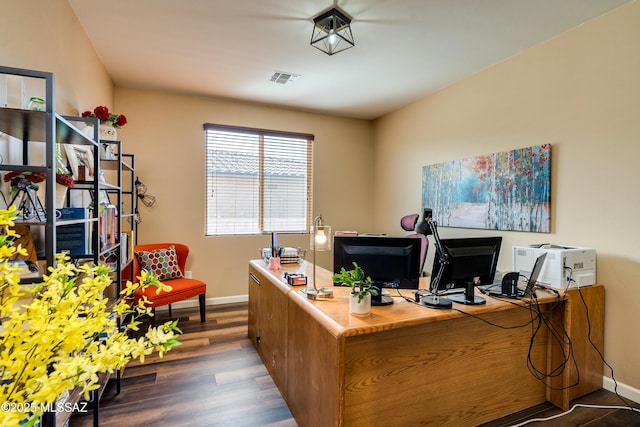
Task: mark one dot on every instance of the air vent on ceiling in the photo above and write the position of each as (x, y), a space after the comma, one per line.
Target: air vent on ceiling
(283, 78)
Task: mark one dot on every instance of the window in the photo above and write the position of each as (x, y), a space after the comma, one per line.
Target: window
(257, 181)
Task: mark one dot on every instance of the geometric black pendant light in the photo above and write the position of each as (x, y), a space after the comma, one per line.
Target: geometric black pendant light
(332, 32)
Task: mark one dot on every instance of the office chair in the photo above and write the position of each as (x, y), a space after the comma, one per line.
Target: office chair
(167, 261)
(408, 223)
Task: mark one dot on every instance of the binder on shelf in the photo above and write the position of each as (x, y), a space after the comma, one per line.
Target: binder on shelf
(74, 238)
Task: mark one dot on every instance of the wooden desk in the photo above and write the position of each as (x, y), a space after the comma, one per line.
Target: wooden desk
(406, 364)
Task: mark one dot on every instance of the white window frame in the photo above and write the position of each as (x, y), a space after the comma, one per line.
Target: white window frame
(257, 181)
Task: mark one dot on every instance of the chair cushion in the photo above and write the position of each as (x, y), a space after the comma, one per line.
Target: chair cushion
(180, 289)
(163, 263)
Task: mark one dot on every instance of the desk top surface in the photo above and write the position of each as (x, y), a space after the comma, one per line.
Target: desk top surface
(335, 315)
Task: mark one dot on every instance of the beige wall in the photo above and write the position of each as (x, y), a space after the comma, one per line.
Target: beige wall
(578, 92)
(46, 36)
(166, 134)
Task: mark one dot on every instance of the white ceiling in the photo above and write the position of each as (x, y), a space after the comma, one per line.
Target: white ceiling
(405, 49)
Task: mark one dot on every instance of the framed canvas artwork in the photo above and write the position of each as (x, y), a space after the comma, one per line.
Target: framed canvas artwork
(508, 190)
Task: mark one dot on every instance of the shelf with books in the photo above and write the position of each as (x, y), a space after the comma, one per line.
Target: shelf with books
(119, 219)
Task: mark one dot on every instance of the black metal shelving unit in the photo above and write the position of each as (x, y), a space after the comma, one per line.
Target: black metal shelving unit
(41, 131)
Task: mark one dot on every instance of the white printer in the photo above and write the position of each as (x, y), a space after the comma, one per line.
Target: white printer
(562, 263)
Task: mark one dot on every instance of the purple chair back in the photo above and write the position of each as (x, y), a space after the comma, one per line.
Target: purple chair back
(423, 247)
(408, 223)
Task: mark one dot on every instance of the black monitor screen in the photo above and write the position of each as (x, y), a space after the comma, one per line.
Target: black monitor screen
(471, 260)
(389, 261)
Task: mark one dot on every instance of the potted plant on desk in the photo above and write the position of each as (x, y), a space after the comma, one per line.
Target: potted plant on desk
(361, 289)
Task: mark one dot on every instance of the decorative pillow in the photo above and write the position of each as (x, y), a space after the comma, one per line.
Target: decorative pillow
(161, 262)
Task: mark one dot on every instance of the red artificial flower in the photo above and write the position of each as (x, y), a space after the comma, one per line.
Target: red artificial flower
(14, 177)
(101, 112)
(64, 179)
(121, 121)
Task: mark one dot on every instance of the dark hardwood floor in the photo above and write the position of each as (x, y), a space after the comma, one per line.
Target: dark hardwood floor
(216, 378)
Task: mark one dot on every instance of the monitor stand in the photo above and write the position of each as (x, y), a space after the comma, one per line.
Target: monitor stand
(437, 302)
(381, 299)
(430, 300)
(468, 297)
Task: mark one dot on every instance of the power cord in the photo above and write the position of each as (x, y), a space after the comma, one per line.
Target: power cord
(557, 332)
(595, 347)
(539, 318)
(628, 406)
(560, 337)
(577, 405)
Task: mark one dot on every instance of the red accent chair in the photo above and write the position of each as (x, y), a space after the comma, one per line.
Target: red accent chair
(182, 288)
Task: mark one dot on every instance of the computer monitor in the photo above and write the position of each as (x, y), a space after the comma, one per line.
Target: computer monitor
(470, 262)
(391, 262)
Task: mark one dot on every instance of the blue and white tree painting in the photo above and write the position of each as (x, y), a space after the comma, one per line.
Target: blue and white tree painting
(501, 191)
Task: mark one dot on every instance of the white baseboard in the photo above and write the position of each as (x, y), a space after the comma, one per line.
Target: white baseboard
(193, 302)
(623, 390)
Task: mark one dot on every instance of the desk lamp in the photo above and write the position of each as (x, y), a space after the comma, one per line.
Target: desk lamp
(320, 241)
(428, 226)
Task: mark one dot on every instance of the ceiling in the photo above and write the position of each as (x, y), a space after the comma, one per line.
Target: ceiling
(405, 49)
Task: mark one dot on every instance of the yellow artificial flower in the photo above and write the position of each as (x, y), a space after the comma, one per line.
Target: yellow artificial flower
(68, 334)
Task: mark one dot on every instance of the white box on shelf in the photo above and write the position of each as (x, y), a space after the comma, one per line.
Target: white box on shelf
(562, 263)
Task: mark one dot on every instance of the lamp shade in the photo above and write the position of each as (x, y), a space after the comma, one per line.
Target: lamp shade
(320, 235)
(332, 32)
(320, 241)
(422, 226)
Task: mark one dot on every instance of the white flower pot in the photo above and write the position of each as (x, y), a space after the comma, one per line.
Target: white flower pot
(108, 132)
(362, 308)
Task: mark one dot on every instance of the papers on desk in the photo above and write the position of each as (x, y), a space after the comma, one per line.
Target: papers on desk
(288, 255)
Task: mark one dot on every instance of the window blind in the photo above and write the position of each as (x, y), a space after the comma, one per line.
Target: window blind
(257, 181)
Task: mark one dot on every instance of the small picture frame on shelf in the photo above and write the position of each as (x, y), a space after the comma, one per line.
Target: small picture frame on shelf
(80, 158)
(108, 151)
